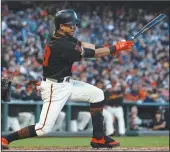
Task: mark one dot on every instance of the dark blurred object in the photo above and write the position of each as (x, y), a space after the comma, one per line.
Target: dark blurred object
(6, 89)
(4, 9)
(167, 118)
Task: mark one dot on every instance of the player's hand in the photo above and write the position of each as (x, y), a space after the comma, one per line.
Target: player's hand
(124, 45)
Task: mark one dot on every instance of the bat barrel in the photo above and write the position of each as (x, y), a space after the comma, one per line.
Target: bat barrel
(151, 24)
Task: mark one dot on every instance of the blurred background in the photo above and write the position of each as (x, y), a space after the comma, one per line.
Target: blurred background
(136, 84)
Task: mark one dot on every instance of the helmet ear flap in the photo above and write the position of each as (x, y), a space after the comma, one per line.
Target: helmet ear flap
(57, 26)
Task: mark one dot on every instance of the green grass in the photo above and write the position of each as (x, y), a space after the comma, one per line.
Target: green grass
(143, 141)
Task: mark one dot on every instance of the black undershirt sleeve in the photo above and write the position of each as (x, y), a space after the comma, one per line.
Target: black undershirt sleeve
(88, 53)
(112, 50)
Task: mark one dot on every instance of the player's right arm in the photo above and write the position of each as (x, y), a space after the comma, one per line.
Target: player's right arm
(90, 51)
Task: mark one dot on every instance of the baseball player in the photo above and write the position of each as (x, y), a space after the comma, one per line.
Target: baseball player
(114, 107)
(57, 87)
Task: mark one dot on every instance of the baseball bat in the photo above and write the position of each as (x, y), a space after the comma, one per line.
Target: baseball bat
(151, 24)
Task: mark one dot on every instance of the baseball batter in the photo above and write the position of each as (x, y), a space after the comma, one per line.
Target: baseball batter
(57, 87)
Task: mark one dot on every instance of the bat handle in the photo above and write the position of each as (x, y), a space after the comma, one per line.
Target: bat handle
(132, 38)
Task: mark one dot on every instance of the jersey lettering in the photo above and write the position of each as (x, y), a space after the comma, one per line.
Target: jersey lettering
(46, 55)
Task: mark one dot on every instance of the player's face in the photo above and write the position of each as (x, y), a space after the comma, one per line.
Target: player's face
(69, 29)
(158, 116)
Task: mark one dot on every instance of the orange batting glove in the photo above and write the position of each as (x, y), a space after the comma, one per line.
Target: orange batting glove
(123, 46)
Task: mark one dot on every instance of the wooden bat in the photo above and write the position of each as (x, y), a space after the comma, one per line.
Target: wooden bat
(151, 24)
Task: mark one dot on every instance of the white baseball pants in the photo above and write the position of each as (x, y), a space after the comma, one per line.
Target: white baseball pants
(24, 119)
(81, 122)
(119, 114)
(55, 95)
(58, 126)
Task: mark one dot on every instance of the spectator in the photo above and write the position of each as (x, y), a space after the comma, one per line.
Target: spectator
(16, 93)
(135, 94)
(158, 123)
(135, 121)
(153, 95)
(164, 94)
(29, 93)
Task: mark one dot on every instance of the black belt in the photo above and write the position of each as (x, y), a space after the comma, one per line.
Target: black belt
(67, 79)
(113, 105)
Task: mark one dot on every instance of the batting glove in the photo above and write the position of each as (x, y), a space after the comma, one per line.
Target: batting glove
(124, 45)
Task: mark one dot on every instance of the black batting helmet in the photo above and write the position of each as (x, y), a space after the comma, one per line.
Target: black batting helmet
(67, 16)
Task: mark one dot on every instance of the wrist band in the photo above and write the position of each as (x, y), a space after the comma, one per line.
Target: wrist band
(112, 49)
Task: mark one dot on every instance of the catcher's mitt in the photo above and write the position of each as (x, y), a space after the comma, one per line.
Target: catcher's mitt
(6, 89)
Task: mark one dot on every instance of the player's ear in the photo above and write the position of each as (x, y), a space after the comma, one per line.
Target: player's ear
(62, 27)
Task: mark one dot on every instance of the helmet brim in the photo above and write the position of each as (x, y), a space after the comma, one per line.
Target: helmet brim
(77, 22)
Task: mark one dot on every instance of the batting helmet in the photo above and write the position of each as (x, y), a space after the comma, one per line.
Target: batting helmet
(67, 16)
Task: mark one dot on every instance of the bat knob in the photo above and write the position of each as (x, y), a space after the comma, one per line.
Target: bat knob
(131, 38)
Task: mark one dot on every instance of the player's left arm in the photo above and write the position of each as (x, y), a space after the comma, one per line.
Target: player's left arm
(89, 50)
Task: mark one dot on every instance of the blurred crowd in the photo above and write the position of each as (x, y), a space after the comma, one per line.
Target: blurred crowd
(141, 75)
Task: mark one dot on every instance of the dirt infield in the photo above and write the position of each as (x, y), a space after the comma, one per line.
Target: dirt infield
(89, 149)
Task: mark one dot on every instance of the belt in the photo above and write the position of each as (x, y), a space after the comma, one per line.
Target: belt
(65, 79)
(115, 105)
